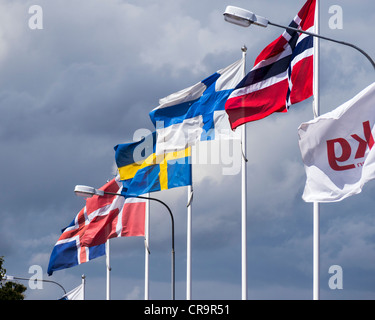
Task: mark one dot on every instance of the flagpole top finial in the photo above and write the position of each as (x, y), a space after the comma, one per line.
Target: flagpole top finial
(244, 48)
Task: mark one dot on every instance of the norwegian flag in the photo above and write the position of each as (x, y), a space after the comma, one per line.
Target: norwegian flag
(282, 74)
(102, 218)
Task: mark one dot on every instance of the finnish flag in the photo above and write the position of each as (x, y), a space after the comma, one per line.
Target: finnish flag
(197, 113)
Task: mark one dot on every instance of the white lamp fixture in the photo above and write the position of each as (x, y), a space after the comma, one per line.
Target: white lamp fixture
(87, 192)
(243, 18)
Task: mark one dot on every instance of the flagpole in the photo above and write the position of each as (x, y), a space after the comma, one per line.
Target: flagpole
(108, 267)
(243, 199)
(147, 250)
(188, 244)
(83, 286)
(188, 233)
(316, 208)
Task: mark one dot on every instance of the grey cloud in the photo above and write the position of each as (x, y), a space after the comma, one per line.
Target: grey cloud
(86, 82)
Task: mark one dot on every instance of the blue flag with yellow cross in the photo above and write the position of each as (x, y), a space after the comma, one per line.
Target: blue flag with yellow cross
(142, 171)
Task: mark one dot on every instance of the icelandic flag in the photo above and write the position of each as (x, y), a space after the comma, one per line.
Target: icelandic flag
(102, 218)
(282, 74)
(196, 113)
(142, 171)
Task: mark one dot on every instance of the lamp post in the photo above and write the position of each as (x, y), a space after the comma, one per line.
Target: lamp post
(10, 278)
(88, 192)
(245, 18)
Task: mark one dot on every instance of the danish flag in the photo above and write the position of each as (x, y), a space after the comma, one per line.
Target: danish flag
(282, 74)
(102, 218)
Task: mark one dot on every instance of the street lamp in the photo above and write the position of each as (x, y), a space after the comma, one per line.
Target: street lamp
(10, 278)
(88, 192)
(245, 18)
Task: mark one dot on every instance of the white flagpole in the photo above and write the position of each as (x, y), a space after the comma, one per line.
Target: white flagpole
(243, 199)
(316, 111)
(108, 267)
(188, 240)
(147, 250)
(83, 286)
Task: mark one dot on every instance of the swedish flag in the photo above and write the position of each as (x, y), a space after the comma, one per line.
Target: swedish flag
(142, 171)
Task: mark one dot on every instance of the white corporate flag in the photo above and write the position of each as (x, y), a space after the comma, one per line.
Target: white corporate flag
(75, 294)
(337, 149)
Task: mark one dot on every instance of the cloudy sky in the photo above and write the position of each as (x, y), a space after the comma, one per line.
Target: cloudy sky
(85, 82)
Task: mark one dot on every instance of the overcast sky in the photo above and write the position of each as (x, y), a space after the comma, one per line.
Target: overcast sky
(85, 82)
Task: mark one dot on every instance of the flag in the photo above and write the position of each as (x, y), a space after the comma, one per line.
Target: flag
(337, 149)
(102, 218)
(75, 294)
(282, 74)
(196, 113)
(142, 171)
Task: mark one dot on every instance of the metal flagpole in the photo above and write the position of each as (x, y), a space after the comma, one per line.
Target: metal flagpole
(147, 250)
(108, 267)
(243, 199)
(188, 242)
(83, 286)
(316, 209)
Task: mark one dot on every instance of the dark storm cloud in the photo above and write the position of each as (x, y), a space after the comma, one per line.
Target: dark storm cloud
(87, 81)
